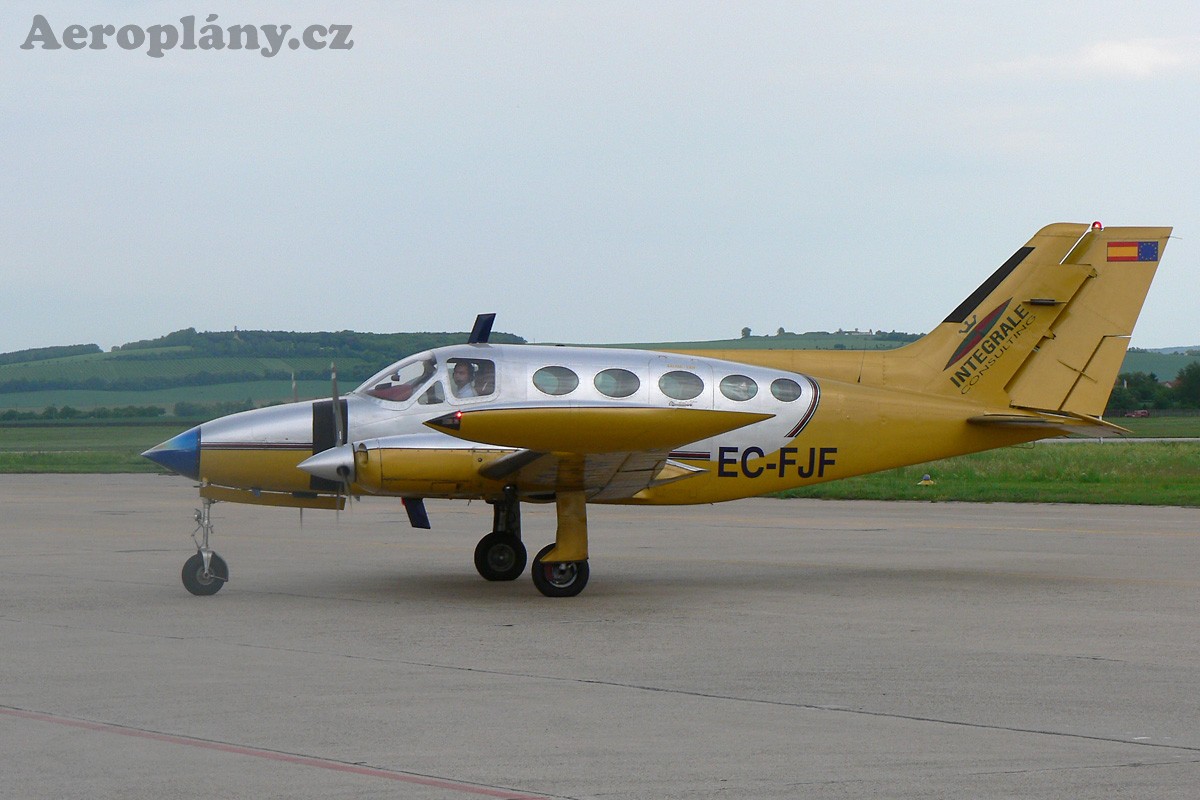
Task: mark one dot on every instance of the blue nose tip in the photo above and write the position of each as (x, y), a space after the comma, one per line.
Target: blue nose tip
(180, 454)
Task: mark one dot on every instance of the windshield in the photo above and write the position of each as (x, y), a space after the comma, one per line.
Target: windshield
(401, 380)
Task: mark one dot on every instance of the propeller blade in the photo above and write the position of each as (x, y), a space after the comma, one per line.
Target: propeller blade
(339, 427)
(339, 424)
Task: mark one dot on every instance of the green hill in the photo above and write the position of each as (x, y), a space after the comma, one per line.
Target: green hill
(211, 367)
(257, 367)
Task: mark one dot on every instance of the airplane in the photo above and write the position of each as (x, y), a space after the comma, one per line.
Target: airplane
(1032, 353)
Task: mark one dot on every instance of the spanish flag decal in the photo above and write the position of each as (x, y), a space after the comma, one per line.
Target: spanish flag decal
(1133, 251)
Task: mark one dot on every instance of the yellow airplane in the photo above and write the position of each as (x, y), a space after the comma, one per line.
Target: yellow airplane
(1032, 353)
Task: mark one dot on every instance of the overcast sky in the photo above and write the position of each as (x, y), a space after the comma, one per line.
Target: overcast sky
(593, 172)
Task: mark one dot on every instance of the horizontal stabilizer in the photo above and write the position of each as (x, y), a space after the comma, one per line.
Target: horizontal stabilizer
(1067, 424)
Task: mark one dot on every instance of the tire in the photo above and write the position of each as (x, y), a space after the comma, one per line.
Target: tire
(500, 557)
(558, 578)
(196, 582)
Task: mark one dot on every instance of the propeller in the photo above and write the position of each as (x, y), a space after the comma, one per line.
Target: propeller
(339, 424)
(339, 427)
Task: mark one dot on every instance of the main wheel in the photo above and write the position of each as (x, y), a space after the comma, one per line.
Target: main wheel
(558, 578)
(500, 557)
(202, 583)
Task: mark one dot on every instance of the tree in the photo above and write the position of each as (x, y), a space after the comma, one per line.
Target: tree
(1138, 390)
(745, 333)
(1187, 385)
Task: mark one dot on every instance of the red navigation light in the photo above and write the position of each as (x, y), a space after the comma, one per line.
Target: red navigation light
(1097, 226)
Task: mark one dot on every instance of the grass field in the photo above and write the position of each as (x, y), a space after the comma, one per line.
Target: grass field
(82, 448)
(1162, 427)
(1134, 473)
(260, 392)
(1138, 473)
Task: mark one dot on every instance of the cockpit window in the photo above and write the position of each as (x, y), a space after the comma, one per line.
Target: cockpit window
(471, 377)
(401, 382)
(433, 395)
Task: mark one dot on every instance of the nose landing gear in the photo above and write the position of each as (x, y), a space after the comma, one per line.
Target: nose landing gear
(205, 572)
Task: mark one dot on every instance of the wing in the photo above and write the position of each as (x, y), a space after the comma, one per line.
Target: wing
(610, 452)
(605, 476)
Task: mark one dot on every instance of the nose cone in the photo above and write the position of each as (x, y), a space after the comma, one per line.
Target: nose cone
(180, 454)
(335, 464)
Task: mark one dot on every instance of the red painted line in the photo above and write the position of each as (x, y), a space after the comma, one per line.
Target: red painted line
(270, 755)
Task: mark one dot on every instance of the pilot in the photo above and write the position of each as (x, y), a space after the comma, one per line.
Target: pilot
(462, 380)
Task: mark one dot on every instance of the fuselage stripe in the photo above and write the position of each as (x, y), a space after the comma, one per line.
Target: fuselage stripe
(306, 446)
(812, 409)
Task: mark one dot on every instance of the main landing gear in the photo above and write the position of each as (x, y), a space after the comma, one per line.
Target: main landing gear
(501, 556)
(205, 572)
(559, 569)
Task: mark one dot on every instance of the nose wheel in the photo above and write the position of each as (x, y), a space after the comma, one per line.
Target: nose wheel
(204, 579)
(205, 572)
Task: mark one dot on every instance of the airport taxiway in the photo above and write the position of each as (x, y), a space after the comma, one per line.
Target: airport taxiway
(757, 649)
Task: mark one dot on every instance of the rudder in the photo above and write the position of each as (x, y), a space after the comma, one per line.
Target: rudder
(1076, 361)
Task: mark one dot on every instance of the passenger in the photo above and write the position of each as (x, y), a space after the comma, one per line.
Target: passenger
(485, 379)
(461, 380)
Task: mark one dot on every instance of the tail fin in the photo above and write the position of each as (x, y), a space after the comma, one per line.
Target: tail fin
(1048, 330)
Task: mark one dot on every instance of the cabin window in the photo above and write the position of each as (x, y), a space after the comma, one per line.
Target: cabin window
(617, 382)
(738, 387)
(471, 377)
(680, 385)
(785, 389)
(555, 380)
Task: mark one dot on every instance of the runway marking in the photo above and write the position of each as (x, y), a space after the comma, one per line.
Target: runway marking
(273, 755)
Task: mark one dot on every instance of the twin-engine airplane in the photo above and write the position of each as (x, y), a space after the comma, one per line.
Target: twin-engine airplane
(1032, 353)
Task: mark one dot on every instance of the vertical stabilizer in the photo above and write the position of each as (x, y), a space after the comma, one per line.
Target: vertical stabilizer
(1048, 330)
